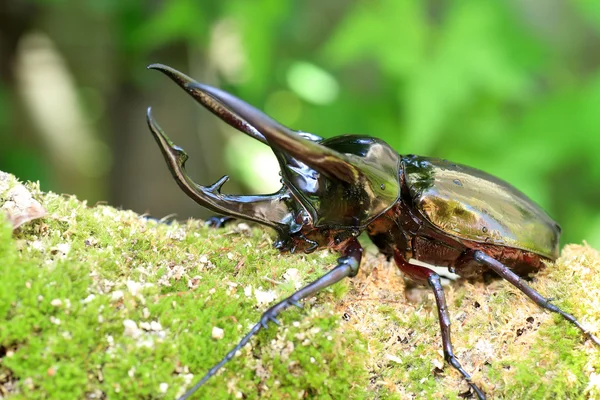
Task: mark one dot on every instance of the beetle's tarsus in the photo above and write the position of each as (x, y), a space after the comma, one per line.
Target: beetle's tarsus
(346, 267)
(218, 221)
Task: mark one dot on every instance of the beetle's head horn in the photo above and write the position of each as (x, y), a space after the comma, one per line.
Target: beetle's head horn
(345, 182)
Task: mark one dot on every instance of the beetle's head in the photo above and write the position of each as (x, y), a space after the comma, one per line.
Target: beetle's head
(343, 182)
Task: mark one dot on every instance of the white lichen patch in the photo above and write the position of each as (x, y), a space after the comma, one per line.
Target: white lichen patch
(116, 295)
(61, 249)
(177, 234)
(264, 297)
(292, 275)
(131, 329)
(56, 303)
(217, 333)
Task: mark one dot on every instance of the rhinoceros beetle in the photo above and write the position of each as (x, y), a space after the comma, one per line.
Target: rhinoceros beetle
(411, 207)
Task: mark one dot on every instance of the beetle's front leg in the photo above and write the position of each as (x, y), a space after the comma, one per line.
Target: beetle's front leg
(428, 277)
(347, 267)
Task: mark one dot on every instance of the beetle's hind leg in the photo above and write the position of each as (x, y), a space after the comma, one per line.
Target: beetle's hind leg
(347, 267)
(520, 284)
(428, 277)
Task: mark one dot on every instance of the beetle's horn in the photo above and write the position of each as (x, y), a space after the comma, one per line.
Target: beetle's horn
(242, 116)
(266, 209)
(189, 85)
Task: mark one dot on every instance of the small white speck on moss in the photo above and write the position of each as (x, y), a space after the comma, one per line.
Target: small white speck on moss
(155, 326)
(194, 282)
(131, 329)
(116, 295)
(88, 299)
(594, 383)
(163, 387)
(134, 287)
(56, 303)
(393, 358)
(217, 333)
(63, 248)
(292, 275)
(264, 297)
(36, 245)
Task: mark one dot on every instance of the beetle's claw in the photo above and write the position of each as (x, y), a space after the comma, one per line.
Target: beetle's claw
(296, 303)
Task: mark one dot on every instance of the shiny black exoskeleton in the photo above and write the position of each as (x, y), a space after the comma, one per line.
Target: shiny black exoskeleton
(412, 207)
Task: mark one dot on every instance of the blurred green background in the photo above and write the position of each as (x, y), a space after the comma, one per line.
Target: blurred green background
(510, 87)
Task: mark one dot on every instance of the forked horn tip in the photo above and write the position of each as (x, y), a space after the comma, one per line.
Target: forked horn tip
(216, 187)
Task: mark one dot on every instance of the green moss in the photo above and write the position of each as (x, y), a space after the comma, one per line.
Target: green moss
(73, 281)
(74, 278)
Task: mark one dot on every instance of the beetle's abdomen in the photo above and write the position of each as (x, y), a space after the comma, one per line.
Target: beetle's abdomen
(470, 204)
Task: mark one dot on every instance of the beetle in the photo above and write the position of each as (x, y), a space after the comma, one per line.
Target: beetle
(411, 207)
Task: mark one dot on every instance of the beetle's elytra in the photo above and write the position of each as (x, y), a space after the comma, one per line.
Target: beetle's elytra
(411, 207)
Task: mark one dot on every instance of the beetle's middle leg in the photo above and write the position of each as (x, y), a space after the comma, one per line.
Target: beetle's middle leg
(520, 284)
(428, 277)
(347, 266)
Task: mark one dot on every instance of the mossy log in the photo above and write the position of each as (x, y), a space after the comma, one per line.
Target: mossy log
(102, 303)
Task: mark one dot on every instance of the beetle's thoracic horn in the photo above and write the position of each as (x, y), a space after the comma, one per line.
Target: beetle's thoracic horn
(189, 85)
(265, 209)
(248, 119)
